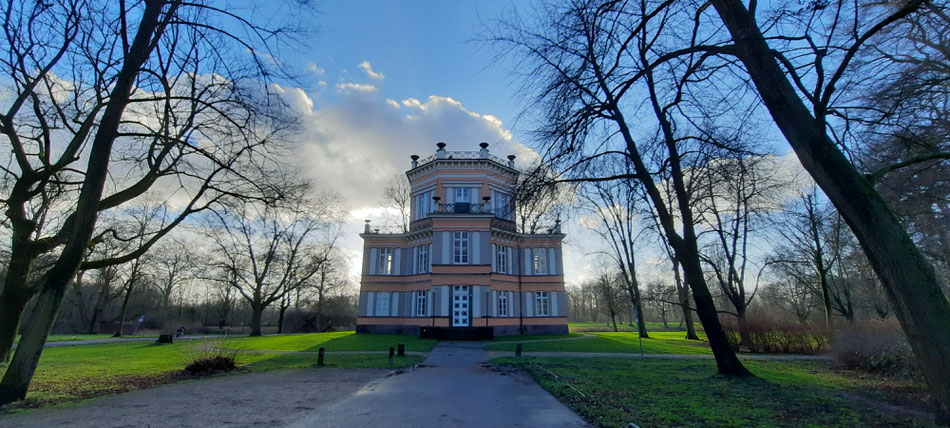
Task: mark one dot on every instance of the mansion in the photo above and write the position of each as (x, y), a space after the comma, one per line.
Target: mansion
(462, 266)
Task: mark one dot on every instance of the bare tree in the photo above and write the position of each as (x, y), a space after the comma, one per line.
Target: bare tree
(106, 100)
(609, 294)
(807, 84)
(589, 59)
(398, 196)
(615, 206)
(271, 251)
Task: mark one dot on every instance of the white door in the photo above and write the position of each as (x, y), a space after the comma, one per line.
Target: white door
(460, 306)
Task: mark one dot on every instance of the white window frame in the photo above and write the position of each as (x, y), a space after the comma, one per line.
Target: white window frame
(542, 307)
(501, 259)
(421, 297)
(503, 304)
(463, 194)
(540, 261)
(383, 299)
(423, 259)
(460, 248)
(384, 261)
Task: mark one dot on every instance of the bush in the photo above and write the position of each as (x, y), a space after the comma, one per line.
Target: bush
(875, 347)
(210, 357)
(779, 337)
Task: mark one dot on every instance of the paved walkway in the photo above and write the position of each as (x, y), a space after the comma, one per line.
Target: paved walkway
(453, 387)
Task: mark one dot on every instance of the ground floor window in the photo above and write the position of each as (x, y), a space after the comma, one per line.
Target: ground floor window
(421, 303)
(503, 303)
(542, 305)
(382, 304)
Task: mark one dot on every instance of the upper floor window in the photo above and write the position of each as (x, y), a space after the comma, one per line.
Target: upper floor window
(384, 263)
(423, 205)
(540, 261)
(423, 259)
(501, 204)
(460, 247)
(463, 194)
(501, 259)
(541, 303)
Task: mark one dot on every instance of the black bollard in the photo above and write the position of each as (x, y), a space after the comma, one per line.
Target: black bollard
(320, 357)
(518, 350)
(391, 353)
(401, 351)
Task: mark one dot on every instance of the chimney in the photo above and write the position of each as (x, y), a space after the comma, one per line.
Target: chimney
(483, 153)
(511, 161)
(557, 226)
(415, 160)
(440, 152)
(366, 228)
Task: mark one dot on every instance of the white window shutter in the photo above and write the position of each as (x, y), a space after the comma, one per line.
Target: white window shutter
(373, 260)
(553, 303)
(415, 260)
(494, 257)
(552, 265)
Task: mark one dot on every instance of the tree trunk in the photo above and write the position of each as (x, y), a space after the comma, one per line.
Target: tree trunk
(14, 297)
(17, 378)
(11, 308)
(683, 293)
(257, 312)
(744, 339)
(909, 280)
(125, 308)
(641, 325)
(613, 319)
(280, 319)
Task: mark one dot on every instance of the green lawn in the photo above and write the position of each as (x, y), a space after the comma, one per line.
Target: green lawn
(69, 337)
(82, 371)
(336, 341)
(586, 327)
(499, 339)
(659, 343)
(689, 393)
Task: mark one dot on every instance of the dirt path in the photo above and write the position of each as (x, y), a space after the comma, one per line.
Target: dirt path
(275, 398)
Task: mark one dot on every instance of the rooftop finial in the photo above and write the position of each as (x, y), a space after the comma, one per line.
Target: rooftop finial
(415, 160)
(483, 153)
(440, 153)
(511, 161)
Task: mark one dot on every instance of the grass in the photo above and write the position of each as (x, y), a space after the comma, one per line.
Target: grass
(586, 327)
(69, 337)
(528, 337)
(75, 372)
(336, 341)
(658, 343)
(689, 393)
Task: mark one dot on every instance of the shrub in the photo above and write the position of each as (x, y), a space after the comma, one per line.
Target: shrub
(779, 337)
(875, 347)
(211, 357)
(211, 364)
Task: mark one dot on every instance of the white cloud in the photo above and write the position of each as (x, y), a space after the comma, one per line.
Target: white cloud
(356, 87)
(366, 67)
(392, 102)
(315, 69)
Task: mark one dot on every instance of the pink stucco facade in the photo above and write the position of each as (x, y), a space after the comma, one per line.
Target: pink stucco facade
(462, 264)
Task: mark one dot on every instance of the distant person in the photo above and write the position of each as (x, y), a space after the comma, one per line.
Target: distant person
(181, 331)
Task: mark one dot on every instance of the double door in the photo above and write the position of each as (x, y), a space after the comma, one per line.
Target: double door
(461, 306)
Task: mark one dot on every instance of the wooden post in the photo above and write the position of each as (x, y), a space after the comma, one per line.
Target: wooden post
(392, 352)
(518, 350)
(401, 351)
(320, 356)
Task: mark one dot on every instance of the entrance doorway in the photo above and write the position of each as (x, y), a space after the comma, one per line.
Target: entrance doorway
(460, 306)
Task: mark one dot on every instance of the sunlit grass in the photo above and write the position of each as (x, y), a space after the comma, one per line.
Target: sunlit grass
(659, 343)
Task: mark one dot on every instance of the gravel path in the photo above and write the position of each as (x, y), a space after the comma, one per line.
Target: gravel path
(276, 398)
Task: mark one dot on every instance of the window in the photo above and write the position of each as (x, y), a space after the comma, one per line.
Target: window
(541, 300)
(462, 194)
(502, 303)
(540, 261)
(423, 205)
(421, 303)
(502, 205)
(423, 259)
(384, 264)
(460, 254)
(501, 259)
(382, 304)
